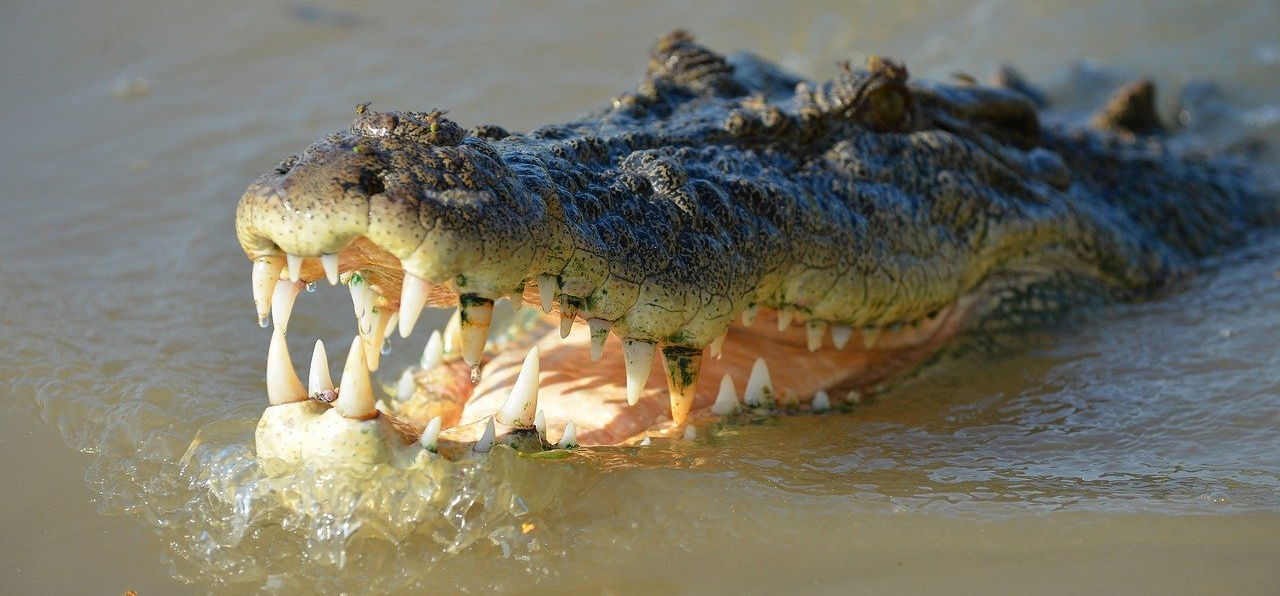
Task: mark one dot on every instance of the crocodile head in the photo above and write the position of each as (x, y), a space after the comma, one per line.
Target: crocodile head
(798, 243)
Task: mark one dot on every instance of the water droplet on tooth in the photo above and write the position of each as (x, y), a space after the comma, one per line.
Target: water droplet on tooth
(727, 399)
(869, 336)
(433, 354)
(569, 439)
(431, 435)
(599, 333)
(355, 394)
(330, 264)
(475, 314)
(717, 344)
(815, 330)
(282, 299)
(638, 355)
(294, 262)
(682, 366)
(318, 379)
(784, 319)
(840, 335)
(413, 296)
(821, 402)
(759, 385)
(266, 271)
(486, 439)
(283, 384)
(546, 291)
(521, 406)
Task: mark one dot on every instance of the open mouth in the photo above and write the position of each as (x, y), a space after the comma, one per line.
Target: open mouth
(550, 369)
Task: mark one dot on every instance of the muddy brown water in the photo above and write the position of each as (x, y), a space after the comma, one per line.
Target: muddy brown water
(1137, 452)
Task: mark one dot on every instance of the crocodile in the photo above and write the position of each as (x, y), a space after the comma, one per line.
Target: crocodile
(737, 224)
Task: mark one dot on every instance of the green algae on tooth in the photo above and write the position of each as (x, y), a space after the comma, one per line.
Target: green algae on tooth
(683, 366)
(569, 439)
(266, 272)
(521, 406)
(431, 435)
(475, 313)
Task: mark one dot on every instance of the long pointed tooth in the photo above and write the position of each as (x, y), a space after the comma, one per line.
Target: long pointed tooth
(821, 402)
(431, 435)
(840, 335)
(784, 319)
(599, 333)
(547, 291)
(282, 298)
(362, 298)
(392, 321)
(683, 366)
(283, 384)
(869, 336)
(294, 262)
(373, 337)
(318, 379)
(727, 400)
(486, 439)
(521, 407)
(569, 439)
(266, 271)
(638, 355)
(475, 314)
(749, 314)
(567, 314)
(413, 296)
(815, 329)
(717, 344)
(540, 423)
(759, 386)
(355, 394)
(330, 264)
(433, 354)
(453, 334)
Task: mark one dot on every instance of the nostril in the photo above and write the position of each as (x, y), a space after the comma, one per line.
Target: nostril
(371, 182)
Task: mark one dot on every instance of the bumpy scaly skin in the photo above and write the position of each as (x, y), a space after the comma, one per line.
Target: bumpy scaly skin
(717, 184)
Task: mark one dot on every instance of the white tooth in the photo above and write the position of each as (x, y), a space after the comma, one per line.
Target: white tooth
(406, 386)
(717, 344)
(547, 291)
(453, 333)
(486, 439)
(431, 435)
(759, 385)
(266, 270)
(569, 439)
(638, 355)
(727, 400)
(521, 407)
(821, 402)
(373, 337)
(392, 321)
(294, 263)
(599, 333)
(433, 355)
(318, 379)
(282, 299)
(869, 336)
(840, 335)
(362, 298)
(749, 314)
(645, 442)
(413, 296)
(784, 319)
(540, 423)
(690, 432)
(815, 330)
(355, 394)
(476, 314)
(330, 264)
(283, 384)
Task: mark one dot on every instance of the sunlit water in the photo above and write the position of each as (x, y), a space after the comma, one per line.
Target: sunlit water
(1137, 451)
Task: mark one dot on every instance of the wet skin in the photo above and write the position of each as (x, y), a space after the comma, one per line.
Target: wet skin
(722, 212)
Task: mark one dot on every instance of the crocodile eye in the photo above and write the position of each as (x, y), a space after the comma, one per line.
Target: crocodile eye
(371, 182)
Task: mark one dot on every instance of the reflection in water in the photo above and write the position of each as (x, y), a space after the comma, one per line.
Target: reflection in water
(129, 327)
